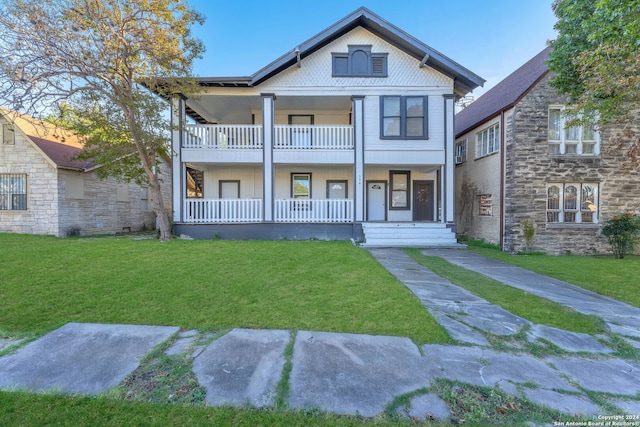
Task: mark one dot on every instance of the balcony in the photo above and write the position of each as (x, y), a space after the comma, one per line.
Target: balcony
(238, 211)
(286, 137)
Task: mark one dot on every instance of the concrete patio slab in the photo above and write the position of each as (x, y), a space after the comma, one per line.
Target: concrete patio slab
(83, 358)
(242, 367)
(569, 404)
(568, 341)
(353, 374)
(610, 376)
(490, 368)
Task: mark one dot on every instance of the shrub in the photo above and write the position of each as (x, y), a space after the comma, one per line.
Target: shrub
(529, 231)
(622, 233)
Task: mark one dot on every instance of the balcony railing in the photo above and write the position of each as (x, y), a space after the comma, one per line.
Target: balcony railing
(325, 137)
(223, 136)
(222, 210)
(286, 137)
(313, 210)
(208, 211)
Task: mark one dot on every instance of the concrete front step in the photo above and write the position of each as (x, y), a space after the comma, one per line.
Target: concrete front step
(408, 234)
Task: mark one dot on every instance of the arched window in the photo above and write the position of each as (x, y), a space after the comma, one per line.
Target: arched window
(572, 203)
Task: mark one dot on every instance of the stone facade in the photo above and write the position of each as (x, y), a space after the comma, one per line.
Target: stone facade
(63, 202)
(529, 168)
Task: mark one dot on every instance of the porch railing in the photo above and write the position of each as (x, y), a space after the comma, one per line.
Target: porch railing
(313, 210)
(223, 136)
(222, 210)
(328, 137)
(286, 137)
(203, 211)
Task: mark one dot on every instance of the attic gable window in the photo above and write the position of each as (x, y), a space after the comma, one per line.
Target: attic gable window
(359, 61)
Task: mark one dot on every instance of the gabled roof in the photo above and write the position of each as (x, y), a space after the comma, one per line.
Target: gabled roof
(58, 144)
(504, 95)
(464, 80)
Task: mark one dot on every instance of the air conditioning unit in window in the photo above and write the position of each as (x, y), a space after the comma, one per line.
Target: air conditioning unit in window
(458, 160)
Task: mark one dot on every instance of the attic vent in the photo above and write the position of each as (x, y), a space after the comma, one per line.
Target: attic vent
(378, 65)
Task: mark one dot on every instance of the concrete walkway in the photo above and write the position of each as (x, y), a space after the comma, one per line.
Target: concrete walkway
(361, 374)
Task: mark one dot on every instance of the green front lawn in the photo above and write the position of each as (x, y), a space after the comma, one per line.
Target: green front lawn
(604, 275)
(311, 285)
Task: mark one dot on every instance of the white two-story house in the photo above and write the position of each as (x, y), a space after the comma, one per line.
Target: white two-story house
(350, 135)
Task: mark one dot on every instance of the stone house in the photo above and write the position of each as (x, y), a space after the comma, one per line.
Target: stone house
(518, 164)
(44, 191)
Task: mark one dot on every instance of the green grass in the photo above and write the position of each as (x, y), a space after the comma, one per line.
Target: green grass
(207, 285)
(533, 308)
(605, 275)
(23, 409)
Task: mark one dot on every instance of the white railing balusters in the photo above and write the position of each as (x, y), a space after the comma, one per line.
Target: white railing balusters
(314, 210)
(286, 137)
(222, 210)
(203, 211)
(223, 136)
(327, 137)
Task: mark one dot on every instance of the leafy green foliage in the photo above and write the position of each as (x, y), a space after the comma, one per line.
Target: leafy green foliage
(595, 60)
(622, 233)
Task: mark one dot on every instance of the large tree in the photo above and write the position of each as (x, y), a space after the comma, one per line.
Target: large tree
(94, 55)
(596, 61)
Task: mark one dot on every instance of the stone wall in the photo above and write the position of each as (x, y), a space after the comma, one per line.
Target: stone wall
(529, 167)
(105, 206)
(41, 216)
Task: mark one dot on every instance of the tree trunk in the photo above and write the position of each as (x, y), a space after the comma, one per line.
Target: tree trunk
(162, 219)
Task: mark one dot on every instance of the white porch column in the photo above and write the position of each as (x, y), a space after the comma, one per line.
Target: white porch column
(358, 164)
(268, 120)
(449, 164)
(178, 192)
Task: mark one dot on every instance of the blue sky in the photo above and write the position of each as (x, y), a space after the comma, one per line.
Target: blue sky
(490, 37)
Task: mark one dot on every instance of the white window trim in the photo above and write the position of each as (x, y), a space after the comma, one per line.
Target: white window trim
(578, 211)
(461, 150)
(562, 142)
(492, 145)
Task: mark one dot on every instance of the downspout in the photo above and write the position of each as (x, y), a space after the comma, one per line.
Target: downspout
(503, 156)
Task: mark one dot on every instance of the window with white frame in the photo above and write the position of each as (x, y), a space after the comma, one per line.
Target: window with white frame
(572, 203)
(579, 140)
(488, 141)
(13, 192)
(461, 151)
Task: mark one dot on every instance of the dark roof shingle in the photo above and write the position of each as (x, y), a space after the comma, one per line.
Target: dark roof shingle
(503, 95)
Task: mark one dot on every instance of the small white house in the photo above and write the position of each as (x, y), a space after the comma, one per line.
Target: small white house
(43, 190)
(348, 135)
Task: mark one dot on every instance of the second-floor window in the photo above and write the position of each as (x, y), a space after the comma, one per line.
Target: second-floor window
(403, 117)
(488, 141)
(578, 140)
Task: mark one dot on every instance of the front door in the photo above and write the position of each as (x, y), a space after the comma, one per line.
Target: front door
(376, 200)
(423, 200)
(337, 190)
(301, 130)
